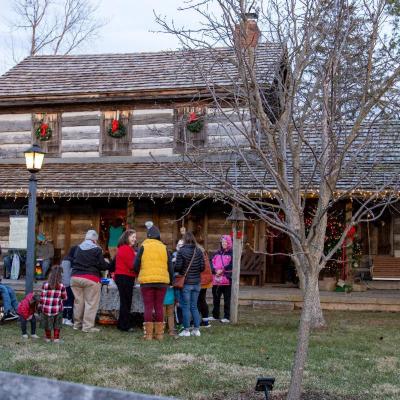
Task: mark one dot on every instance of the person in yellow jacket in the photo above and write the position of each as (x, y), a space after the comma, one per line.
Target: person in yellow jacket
(153, 267)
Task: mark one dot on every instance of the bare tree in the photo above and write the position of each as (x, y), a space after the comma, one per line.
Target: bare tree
(55, 26)
(317, 136)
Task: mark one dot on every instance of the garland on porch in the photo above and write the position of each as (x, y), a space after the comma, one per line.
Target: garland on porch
(43, 132)
(195, 123)
(117, 129)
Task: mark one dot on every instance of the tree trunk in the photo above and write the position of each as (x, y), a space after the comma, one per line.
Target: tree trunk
(317, 318)
(303, 339)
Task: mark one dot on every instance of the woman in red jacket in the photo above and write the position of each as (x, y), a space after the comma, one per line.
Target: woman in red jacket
(125, 277)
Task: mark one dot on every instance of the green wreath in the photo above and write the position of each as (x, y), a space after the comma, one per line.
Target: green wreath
(43, 132)
(117, 129)
(195, 123)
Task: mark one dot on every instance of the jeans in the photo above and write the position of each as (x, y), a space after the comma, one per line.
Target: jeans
(7, 261)
(45, 267)
(10, 301)
(153, 299)
(190, 295)
(218, 292)
(24, 322)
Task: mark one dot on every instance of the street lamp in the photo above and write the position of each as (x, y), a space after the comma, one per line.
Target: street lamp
(236, 217)
(34, 159)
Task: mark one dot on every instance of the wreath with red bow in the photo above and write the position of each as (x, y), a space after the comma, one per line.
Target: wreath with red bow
(195, 123)
(117, 129)
(44, 132)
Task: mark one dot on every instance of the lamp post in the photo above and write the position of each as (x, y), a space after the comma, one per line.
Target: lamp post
(236, 217)
(34, 159)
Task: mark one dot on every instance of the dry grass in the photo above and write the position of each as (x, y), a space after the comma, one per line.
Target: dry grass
(357, 357)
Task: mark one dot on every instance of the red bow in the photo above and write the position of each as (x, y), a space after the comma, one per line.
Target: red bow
(115, 125)
(43, 129)
(351, 233)
(192, 117)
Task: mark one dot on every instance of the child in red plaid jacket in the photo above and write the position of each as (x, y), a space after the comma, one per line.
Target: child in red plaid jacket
(51, 304)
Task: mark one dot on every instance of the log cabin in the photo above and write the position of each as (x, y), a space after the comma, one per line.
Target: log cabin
(90, 178)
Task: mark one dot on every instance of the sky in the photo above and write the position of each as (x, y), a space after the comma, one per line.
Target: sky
(129, 28)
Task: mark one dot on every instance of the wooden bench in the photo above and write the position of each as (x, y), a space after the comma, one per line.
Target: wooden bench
(385, 268)
(252, 264)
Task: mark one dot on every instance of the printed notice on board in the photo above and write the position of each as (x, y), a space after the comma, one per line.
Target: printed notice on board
(18, 238)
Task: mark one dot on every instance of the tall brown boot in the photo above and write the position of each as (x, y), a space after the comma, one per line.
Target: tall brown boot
(171, 326)
(148, 330)
(159, 330)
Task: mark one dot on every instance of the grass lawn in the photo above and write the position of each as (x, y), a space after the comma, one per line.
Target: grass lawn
(357, 357)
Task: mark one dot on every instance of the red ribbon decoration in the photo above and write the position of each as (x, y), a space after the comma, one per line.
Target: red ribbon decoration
(192, 117)
(349, 238)
(115, 125)
(43, 129)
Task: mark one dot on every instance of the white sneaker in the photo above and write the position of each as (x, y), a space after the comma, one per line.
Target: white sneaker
(210, 319)
(185, 333)
(195, 332)
(68, 322)
(225, 321)
(25, 336)
(35, 336)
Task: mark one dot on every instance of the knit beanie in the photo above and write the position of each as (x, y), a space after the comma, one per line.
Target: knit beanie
(153, 232)
(91, 235)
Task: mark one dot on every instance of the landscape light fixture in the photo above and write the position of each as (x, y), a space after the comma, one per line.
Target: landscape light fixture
(265, 384)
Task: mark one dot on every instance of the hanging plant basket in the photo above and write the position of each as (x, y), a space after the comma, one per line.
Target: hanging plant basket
(195, 123)
(117, 129)
(44, 132)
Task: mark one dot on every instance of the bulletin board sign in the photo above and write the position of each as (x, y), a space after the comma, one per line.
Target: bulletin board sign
(18, 238)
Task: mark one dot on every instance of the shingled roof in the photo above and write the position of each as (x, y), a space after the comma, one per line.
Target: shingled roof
(58, 75)
(151, 179)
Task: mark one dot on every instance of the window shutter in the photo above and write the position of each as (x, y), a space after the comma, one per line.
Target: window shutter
(51, 146)
(110, 146)
(184, 139)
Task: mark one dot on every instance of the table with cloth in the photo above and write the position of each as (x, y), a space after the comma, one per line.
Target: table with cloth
(109, 301)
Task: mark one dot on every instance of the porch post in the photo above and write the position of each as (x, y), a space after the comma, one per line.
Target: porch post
(349, 247)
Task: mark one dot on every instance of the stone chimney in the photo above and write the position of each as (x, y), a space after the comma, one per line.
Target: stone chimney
(247, 33)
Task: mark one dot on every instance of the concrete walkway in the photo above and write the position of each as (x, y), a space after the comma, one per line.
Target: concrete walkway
(283, 298)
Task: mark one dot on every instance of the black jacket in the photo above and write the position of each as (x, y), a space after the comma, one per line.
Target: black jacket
(183, 259)
(89, 262)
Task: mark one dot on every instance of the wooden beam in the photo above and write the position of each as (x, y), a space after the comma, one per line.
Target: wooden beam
(67, 231)
(205, 230)
(54, 230)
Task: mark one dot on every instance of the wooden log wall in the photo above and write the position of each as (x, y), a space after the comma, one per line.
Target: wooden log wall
(80, 134)
(152, 131)
(15, 135)
(68, 227)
